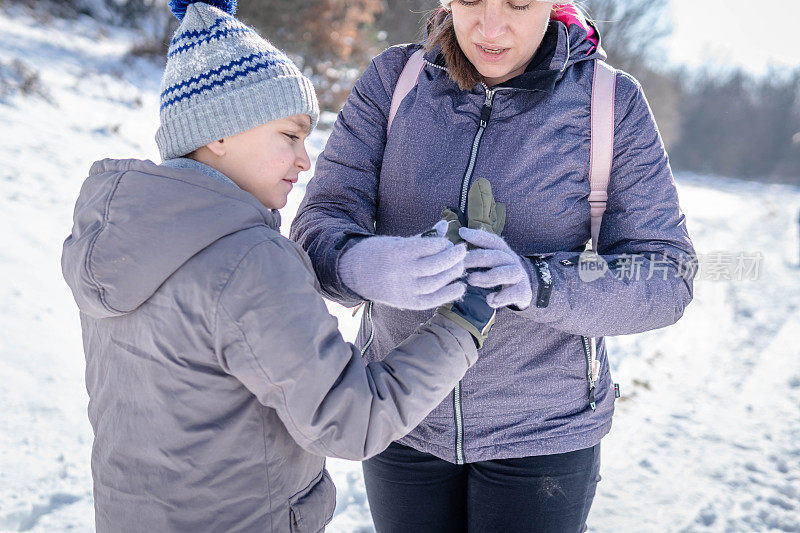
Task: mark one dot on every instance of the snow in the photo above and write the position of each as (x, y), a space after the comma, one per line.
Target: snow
(706, 436)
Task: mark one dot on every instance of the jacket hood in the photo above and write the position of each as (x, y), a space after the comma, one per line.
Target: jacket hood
(581, 40)
(136, 223)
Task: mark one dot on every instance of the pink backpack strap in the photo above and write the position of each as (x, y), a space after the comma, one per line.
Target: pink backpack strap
(603, 89)
(406, 82)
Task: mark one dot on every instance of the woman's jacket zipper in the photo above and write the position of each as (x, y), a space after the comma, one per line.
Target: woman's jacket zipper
(587, 351)
(486, 112)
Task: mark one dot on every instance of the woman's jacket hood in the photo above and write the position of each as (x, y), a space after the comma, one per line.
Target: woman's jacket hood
(136, 223)
(578, 39)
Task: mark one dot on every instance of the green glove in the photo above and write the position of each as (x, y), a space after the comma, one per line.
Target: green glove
(482, 211)
(472, 312)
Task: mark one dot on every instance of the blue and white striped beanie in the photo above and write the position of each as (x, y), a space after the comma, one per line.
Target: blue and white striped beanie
(222, 78)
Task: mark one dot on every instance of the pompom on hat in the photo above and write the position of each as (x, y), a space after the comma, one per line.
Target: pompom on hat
(222, 79)
(178, 7)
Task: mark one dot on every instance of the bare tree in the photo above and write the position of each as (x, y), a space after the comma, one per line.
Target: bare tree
(321, 29)
(742, 126)
(332, 40)
(633, 31)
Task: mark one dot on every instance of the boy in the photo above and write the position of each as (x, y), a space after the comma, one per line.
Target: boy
(217, 379)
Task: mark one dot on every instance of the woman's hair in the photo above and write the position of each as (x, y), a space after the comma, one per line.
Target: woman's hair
(442, 33)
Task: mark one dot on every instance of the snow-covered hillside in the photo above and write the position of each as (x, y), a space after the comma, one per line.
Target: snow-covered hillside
(706, 436)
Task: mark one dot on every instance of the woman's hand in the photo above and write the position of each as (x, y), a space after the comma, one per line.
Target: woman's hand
(406, 272)
(498, 266)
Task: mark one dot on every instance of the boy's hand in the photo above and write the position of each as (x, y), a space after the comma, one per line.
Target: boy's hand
(471, 313)
(483, 213)
(418, 273)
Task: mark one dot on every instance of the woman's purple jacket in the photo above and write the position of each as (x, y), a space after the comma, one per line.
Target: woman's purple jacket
(528, 394)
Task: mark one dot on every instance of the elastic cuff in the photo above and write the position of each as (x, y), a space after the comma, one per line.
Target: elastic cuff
(545, 279)
(540, 271)
(478, 336)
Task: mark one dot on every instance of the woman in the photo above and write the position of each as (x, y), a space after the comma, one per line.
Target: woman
(504, 95)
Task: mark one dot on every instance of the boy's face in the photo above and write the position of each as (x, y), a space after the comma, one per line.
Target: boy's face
(266, 160)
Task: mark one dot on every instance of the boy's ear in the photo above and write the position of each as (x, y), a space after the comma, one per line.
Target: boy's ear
(217, 148)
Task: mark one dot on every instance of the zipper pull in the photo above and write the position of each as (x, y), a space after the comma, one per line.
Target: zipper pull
(486, 110)
(592, 402)
(489, 96)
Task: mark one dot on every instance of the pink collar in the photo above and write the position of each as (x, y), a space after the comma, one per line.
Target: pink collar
(569, 15)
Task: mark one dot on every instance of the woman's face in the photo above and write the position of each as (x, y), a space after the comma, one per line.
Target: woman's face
(500, 37)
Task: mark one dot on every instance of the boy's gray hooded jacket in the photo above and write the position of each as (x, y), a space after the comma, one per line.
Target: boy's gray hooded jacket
(217, 379)
(528, 394)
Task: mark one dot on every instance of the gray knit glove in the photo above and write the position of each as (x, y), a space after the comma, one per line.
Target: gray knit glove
(418, 273)
(504, 268)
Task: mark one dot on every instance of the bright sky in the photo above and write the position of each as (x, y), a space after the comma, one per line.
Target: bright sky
(717, 33)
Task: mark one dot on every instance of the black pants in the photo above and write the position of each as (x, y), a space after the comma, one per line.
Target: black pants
(414, 491)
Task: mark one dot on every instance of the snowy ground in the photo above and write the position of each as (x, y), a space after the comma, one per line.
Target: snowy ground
(706, 436)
